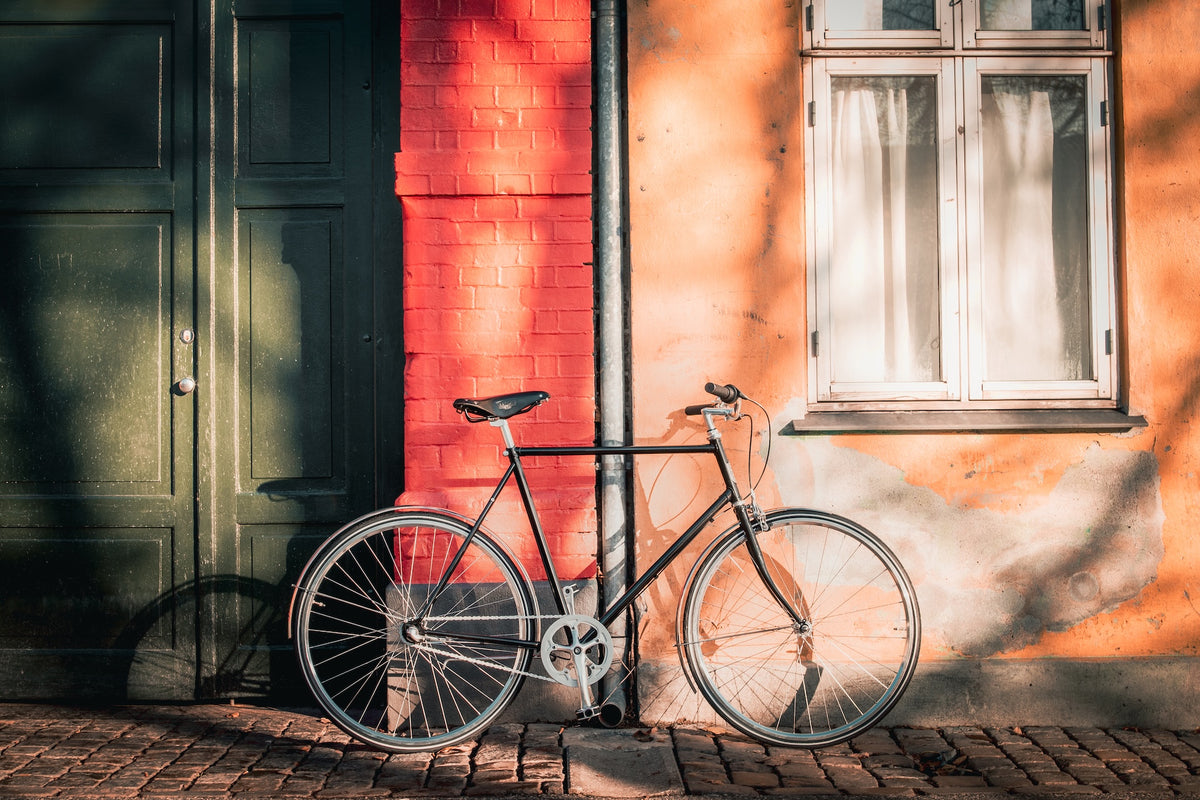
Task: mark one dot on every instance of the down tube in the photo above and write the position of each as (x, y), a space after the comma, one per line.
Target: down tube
(656, 569)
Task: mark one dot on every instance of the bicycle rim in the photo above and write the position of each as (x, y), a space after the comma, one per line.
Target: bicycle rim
(386, 674)
(819, 682)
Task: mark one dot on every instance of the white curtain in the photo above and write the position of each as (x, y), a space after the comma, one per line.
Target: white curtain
(883, 308)
(879, 15)
(1032, 15)
(855, 15)
(1007, 15)
(1023, 325)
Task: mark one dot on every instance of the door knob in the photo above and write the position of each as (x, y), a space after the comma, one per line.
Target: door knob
(186, 385)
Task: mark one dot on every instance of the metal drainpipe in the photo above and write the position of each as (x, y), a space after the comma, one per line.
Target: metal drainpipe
(610, 301)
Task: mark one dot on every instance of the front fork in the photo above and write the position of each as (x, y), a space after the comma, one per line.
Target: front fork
(752, 521)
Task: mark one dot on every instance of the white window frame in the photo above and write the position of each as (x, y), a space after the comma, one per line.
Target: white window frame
(820, 35)
(825, 387)
(1100, 272)
(958, 72)
(963, 30)
(975, 36)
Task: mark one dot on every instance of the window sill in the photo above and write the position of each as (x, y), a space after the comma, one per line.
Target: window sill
(1091, 420)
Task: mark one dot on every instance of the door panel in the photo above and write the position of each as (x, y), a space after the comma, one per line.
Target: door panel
(118, 74)
(87, 417)
(289, 71)
(96, 227)
(294, 302)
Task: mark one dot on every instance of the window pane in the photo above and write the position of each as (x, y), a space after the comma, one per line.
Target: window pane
(879, 15)
(1035, 252)
(1032, 15)
(884, 259)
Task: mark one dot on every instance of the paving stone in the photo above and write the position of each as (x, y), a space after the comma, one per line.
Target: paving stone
(620, 764)
(852, 779)
(756, 779)
(958, 781)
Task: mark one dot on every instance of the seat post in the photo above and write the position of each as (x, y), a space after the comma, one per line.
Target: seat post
(505, 433)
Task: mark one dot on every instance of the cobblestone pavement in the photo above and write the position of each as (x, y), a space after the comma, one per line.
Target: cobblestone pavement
(225, 751)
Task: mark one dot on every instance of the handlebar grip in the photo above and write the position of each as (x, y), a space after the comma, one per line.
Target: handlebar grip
(726, 393)
(693, 411)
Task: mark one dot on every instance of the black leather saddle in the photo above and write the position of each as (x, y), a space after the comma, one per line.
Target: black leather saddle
(501, 406)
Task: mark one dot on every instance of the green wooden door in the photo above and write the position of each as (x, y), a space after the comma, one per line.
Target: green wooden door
(189, 212)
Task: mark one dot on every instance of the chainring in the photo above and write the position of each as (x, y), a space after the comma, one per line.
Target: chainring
(575, 644)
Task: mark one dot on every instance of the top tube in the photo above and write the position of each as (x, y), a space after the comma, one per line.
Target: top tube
(614, 450)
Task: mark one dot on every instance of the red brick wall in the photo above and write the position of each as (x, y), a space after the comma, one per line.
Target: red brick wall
(494, 177)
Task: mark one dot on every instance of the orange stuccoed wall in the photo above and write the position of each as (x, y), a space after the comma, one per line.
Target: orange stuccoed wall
(1057, 573)
(493, 175)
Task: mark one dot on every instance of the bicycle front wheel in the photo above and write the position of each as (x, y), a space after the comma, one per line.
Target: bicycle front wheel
(393, 669)
(819, 680)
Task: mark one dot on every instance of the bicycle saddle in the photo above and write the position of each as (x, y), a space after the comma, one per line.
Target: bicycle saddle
(501, 406)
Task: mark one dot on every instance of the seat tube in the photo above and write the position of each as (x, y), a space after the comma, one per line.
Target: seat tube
(535, 522)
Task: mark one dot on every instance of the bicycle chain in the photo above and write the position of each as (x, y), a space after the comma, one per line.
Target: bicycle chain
(479, 662)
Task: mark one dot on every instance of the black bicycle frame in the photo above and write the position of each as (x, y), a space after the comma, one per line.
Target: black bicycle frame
(730, 496)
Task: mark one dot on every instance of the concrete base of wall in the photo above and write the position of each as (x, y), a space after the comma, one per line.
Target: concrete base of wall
(1146, 693)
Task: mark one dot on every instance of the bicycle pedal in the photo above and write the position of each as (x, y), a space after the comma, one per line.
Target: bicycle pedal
(591, 712)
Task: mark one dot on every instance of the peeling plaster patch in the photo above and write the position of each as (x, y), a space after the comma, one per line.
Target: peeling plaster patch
(991, 582)
(659, 39)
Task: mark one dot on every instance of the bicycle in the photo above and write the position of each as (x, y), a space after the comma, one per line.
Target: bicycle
(415, 627)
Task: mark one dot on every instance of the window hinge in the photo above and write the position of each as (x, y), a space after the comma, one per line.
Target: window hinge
(1103, 12)
(808, 17)
(1108, 342)
(812, 113)
(816, 343)
(1104, 113)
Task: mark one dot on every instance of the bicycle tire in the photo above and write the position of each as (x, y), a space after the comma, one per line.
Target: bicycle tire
(771, 678)
(389, 678)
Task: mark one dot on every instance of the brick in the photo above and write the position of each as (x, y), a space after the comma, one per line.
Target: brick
(483, 9)
(554, 30)
(512, 52)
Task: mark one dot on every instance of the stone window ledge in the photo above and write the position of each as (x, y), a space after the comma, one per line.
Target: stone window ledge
(1090, 420)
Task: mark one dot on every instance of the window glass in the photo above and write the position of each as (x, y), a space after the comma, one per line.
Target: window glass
(1035, 227)
(1031, 15)
(884, 245)
(880, 15)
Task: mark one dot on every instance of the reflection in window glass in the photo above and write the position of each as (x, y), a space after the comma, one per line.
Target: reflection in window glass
(884, 243)
(1035, 227)
(880, 15)
(1031, 15)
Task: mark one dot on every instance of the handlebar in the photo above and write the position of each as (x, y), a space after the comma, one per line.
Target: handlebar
(726, 393)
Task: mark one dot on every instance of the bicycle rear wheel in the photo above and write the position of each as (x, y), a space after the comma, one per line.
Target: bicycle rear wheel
(827, 678)
(389, 671)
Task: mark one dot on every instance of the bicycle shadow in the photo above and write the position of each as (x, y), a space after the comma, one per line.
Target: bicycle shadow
(256, 660)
